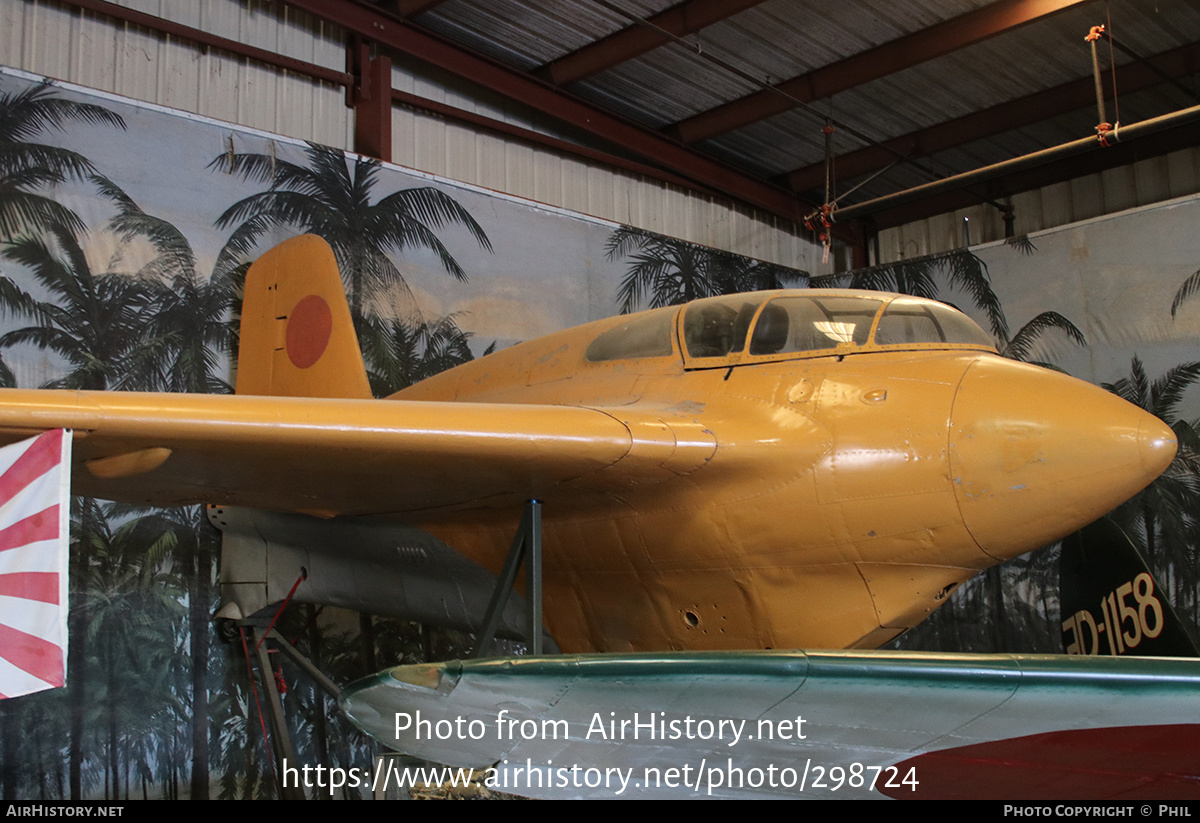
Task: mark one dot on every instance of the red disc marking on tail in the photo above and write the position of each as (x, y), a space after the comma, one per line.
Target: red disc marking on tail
(308, 329)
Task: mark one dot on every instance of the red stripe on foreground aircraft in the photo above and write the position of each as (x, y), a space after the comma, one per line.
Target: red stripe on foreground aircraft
(791, 469)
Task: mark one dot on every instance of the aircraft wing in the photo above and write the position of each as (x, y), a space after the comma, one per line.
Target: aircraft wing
(336, 456)
(799, 724)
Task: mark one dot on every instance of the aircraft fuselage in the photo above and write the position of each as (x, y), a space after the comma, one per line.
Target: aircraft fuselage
(807, 498)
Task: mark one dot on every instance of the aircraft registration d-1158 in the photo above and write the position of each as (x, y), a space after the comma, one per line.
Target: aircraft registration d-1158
(775, 470)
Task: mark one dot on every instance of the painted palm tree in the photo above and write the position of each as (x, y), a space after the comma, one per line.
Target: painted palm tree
(185, 538)
(403, 353)
(136, 621)
(187, 334)
(662, 271)
(666, 271)
(27, 167)
(736, 274)
(95, 323)
(188, 326)
(239, 751)
(332, 197)
(1165, 513)
(32, 731)
(1003, 610)
(7, 379)
(1024, 345)
(1186, 290)
(99, 323)
(921, 277)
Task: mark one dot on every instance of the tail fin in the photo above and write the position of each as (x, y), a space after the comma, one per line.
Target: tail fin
(1111, 603)
(297, 338)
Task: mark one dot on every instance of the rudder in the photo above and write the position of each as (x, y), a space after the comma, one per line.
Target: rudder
(297, 337)
(1110, 601)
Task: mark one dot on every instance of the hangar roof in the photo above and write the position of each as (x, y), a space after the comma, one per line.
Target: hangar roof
(734, 94)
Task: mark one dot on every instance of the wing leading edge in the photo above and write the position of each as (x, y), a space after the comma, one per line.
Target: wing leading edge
(336, 456)
(800, 724)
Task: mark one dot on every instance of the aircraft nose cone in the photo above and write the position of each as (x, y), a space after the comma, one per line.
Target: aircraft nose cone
(1158, 446)
(1035, 455)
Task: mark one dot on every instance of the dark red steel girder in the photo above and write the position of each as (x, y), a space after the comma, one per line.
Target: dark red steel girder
(204, 38)
(1014, 114)
(348, 79)
(537, 138)
(411, 8)
(872, 64)
(374, 24)
(372, 97)
(685, 18)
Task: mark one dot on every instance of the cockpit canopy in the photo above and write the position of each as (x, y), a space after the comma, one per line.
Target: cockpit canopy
(782, 325)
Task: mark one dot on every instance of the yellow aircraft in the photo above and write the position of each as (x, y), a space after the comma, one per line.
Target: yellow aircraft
(778, 470)
(788, 469)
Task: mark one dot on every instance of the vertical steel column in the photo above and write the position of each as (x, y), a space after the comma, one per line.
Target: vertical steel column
(533, 577)
(372, 99)
(528, 538)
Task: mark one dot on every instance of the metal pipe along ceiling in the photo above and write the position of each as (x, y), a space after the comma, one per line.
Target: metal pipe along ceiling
(1037, 158)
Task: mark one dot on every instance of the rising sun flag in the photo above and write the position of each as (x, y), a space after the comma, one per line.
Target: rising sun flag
(35, 483)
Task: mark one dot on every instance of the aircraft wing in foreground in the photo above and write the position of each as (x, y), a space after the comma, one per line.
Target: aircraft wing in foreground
(800, 724)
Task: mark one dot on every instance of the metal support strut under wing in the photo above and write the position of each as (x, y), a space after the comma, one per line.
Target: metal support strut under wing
(527, 539)
(364, 564)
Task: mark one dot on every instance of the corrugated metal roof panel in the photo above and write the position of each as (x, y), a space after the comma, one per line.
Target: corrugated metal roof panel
(780, 39)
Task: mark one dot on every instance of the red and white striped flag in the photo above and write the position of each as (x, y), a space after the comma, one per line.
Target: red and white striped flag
(35, 488)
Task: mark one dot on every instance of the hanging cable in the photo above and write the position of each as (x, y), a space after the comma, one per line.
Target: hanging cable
(825, 231)
(1112, 67)
(866, 180)
(1151, 65)
(828, 130)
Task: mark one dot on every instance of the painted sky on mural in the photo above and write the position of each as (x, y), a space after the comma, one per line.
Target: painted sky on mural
(1115, 278)
(547, 271)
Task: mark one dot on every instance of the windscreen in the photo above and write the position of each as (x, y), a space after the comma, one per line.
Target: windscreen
(717, 326)
(917, 321)
(647, 335)
(802, 324)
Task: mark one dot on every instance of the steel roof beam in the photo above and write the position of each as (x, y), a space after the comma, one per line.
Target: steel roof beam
(872, 64)
(632, 41)
(1014, 114)
(387, 30)
(203, 38)
(410, 8)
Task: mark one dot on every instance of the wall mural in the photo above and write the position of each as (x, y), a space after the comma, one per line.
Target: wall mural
(124, 232)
